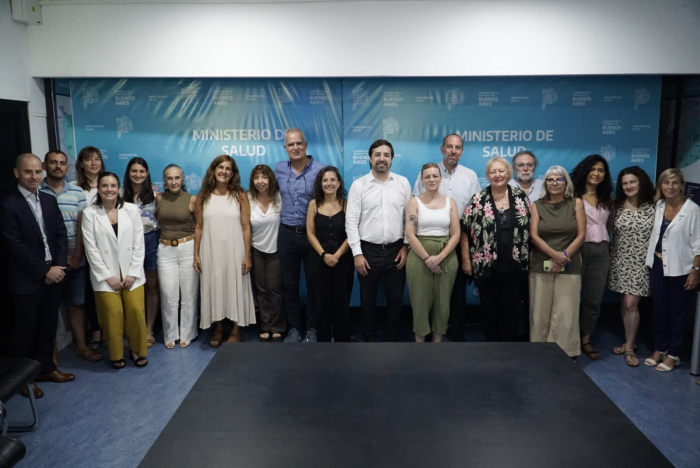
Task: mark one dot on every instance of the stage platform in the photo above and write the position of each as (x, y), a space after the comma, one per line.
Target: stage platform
(361, 405)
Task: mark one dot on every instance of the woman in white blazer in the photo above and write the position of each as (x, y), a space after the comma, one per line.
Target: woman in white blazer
(674, 259)
(113, 238)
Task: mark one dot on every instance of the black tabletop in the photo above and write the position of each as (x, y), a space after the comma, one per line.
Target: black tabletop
(397, 405)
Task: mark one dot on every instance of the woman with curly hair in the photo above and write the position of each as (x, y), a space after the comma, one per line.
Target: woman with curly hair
(331, 262)
(222, 250)
(633, 218)
(592, 183)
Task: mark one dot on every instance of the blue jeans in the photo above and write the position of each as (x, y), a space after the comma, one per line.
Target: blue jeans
(293, 248)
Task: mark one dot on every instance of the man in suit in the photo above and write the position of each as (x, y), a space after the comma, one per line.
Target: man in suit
(35, 237)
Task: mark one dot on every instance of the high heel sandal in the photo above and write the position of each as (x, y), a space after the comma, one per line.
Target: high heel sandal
(665, 368)
(649, 362)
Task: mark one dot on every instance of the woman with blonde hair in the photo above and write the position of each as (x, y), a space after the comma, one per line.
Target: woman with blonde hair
(557, 230)
(179, 281)
(496, 227)
(222, 250)
(674, 258)
(432, 230)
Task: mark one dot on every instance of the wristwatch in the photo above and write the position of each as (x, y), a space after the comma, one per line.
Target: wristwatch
(696, 268)
(323, 254)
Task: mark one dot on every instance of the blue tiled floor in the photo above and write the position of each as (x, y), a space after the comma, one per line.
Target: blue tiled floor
(109, 418)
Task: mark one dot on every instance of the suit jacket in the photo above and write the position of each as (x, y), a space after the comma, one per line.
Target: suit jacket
(21, 235)
(113, 256)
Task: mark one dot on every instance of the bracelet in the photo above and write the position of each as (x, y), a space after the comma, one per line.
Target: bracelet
(426, 257)
(323, 254)
(566, 254)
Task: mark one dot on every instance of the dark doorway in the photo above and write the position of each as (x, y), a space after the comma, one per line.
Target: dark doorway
(14, 140)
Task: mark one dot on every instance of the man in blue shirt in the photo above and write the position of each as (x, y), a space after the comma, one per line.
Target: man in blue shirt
(71, 202)
(296, 181)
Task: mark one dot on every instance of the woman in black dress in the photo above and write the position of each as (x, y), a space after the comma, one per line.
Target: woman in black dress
(331, 262)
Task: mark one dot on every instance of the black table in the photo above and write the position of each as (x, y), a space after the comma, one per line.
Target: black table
(365, 405)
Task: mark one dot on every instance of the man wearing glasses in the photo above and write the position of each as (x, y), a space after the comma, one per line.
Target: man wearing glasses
(296, 182)
(525, 164)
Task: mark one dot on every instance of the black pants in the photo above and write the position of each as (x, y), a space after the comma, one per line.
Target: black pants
(672, 304)
(500, 295)
(333, 287)
(35, 322)
(382, 269)
(458, 301)
(293, 248)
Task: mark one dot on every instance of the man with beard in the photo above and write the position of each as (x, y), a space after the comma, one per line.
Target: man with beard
(525, 164)
(71, 202)
(375, 226)
(460, 184)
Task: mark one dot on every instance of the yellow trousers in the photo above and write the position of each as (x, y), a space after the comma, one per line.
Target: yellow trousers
(122, 314)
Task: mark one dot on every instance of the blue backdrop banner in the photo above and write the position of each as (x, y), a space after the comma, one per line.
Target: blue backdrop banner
(561, 120)
(189, 122)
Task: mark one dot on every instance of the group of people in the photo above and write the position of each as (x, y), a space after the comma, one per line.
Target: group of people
(114, 250)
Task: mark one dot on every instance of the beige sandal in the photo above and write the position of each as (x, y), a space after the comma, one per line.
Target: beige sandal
(170, 345)
(150, 340)
(631, 359)
(184, 344)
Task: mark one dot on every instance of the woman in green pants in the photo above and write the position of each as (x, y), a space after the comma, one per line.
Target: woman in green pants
(432, 230)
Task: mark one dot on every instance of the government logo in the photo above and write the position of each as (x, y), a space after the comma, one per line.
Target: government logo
(641, 97)
(90, 96)
(549, 97)
(124, 125)
(454, 97)
(390, 126)
(608, 152)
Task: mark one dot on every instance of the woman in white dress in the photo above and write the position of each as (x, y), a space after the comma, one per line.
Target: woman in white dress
(222, 253)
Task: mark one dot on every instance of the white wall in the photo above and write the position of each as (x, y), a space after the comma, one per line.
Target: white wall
(15, 81)
(14, 64)
(372, 38)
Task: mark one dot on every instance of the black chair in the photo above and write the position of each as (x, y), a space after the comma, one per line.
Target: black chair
(16, 374)
(12, 451)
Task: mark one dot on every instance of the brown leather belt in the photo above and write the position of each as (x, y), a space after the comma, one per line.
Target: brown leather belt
(661, 257)
(176, 242)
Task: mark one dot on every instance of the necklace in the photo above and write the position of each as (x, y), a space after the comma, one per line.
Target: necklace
(594, 191)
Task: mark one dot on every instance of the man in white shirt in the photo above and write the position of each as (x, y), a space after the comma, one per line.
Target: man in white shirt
(459, 183)
(525, 164)
(375, 226)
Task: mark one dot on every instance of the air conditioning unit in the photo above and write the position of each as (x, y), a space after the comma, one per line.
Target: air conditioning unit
(26, 11)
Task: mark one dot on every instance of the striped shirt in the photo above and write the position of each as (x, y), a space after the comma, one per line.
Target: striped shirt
(71, 202)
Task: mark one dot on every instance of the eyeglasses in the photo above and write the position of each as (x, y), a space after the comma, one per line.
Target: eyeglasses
(528, 165)
(559, 180)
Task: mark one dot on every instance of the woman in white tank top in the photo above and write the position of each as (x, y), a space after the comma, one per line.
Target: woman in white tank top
(432, 230)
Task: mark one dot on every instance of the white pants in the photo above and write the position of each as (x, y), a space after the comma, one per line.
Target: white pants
(179, 285)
